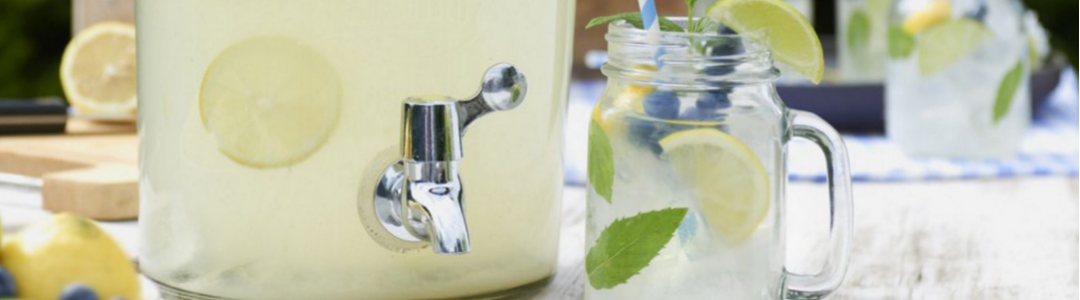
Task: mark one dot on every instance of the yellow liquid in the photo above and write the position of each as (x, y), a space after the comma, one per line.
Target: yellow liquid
(213, 226)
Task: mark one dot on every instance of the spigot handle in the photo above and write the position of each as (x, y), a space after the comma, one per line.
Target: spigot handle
(503, 88)
(419, 198)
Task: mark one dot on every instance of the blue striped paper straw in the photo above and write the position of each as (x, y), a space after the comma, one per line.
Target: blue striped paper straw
(648, 15)
(650, 22)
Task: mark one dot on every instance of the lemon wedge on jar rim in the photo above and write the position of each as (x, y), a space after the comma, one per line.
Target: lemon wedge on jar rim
(773, 23)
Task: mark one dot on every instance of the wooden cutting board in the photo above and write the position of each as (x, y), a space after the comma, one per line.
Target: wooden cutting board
(91, 171)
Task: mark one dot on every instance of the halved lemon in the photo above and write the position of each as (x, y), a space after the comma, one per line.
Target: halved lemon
(270, 102)
(936, 12)
(778, 25)
(727, 181)
(98, 69)
(63, 249)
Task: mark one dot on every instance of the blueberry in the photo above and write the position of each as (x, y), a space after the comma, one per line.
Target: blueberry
(78, 291)
(713, 100)
(724, 46)
(980, 12)
(648, 133)
(645, 134)
(7, 284)
(696, 114)
(662, 105)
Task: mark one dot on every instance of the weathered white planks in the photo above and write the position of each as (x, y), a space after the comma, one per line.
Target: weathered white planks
(994, 239)
(1007, 239)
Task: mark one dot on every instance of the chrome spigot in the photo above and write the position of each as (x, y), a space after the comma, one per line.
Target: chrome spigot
(419, 197)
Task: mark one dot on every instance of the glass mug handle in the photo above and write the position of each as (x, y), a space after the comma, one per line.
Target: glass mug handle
(815, 286)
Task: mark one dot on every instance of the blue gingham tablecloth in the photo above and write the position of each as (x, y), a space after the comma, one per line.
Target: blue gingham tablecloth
(1050, 148)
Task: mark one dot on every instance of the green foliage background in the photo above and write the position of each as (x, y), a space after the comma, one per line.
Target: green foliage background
(33, 34)
(1059, 17)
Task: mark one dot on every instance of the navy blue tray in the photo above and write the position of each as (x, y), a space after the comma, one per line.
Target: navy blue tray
(861, 107)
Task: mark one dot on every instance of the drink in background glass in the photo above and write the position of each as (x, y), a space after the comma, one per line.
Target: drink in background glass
(861, 43)
(266, 124)
(687, 160)
(958, 83)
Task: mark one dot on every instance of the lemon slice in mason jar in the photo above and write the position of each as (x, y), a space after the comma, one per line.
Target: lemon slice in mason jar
(631, 97)
(788, 34)
(727, 181)
(98, 71)
(270, 102)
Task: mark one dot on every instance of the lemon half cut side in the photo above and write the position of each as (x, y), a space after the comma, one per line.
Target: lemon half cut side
(98, 71)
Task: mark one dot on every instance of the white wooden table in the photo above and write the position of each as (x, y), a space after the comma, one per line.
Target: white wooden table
(993, 239)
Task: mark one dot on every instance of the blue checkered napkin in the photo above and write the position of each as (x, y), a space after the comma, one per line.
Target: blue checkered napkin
(1050, 148)
(1046, 151)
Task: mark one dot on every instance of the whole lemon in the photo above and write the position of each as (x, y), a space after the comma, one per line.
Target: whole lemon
(64, 249)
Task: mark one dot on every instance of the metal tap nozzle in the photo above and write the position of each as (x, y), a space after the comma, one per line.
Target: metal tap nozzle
(419, 198)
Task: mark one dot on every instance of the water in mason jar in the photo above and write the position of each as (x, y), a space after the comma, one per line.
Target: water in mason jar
(702, 260)
(945, 107)
(253, 178)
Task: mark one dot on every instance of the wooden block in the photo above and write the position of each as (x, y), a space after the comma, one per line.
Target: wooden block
(91, 171)
(29, 163)
(108, 192)
(87, 127)
(36, 156)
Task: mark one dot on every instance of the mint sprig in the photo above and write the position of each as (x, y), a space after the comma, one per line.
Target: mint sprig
(858, 30)
(601, 162)
(901, 44)
(634, 19)
(699, 26)
(628, 245)
(1007, 91)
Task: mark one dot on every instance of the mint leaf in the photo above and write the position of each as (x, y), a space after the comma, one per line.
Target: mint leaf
(1007, 91)
(634, 19)
(628, 245)
(858, 30)
(901, 44)
(601, 162)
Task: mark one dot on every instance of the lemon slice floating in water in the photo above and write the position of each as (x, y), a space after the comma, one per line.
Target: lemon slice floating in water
(727, 181)
(270, 102)
(98, 69)
(778, 25)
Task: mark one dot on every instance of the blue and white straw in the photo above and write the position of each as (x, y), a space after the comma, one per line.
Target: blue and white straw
(648, 15)
(650, 21)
